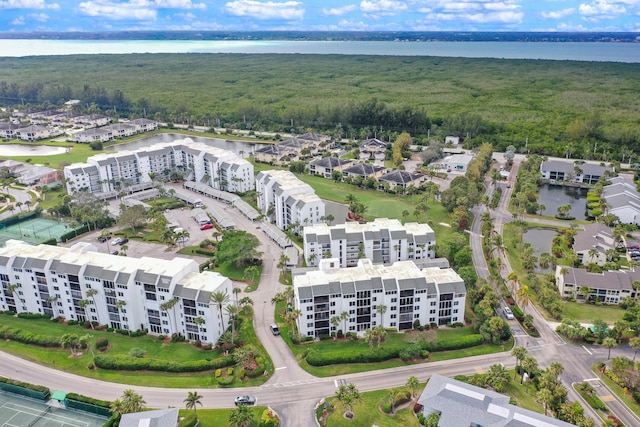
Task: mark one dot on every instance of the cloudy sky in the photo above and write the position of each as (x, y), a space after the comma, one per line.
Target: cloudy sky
(320, 15)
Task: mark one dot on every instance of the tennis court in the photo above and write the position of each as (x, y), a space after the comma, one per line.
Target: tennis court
(16, 411)
(35, 230)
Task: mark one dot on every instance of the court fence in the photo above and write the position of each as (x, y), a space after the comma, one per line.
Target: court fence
(23, 391)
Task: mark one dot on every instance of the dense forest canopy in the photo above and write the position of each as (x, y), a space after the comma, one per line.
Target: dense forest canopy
(580, 109)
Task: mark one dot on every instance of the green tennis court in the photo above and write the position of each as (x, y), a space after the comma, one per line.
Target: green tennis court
(35, 230)
(16, 411)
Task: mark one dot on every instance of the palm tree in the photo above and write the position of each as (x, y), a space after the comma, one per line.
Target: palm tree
(513, 279)
(381, 309)
(124, 249)
(609, 343)
(132, 401)
(335, 321)
(220, 298)
(192, 400)
(241, 416)
(344, 316)
(232, 311)
(380, 333)
(369, 336)
(282, 264)
(523, 296)
(405, 215)
(519, 353)
(348, 395)
(236, 291)
(392, 397)
(413, 384)
(91, 293)
(169, 305)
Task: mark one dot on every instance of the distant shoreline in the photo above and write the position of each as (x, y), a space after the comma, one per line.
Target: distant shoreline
(400, 36)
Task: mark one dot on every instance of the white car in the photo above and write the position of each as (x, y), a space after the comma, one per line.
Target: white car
(116, 241)
(508, 313)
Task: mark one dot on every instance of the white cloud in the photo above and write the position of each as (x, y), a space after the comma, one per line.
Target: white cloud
(558, 14)
(479, 18)
(28, 4)
(602, 9)
(338, 11)
(382, 7)
(175, 4)
(40, 17)
(117, 11)
(18, 21)
(289, 10)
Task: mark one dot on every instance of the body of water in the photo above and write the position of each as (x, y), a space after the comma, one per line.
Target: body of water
(574, 51)
(235, 146)
(31, 150)
(542, 241)
(552, 196)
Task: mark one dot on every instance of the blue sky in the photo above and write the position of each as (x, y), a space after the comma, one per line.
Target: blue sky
(320, 15)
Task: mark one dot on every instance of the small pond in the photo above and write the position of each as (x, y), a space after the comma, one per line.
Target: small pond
(11, 150)
(552, 196)
(541, 240)
(234, 146)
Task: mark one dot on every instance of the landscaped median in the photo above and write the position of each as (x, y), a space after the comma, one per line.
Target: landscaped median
(139, 359)
(349, 354)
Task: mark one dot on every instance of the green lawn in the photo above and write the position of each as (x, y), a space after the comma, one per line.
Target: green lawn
(218, 417)
(586, 313)
(120, 345)
(368, 412)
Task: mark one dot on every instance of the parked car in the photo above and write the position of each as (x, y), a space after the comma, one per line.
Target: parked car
(274, 329)
(508, 313)
(114, 252)
(245, 400)
(206, 226)
(116, 241)
(123, 241)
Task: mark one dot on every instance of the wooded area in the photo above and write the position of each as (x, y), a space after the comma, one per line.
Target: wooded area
(583, 109)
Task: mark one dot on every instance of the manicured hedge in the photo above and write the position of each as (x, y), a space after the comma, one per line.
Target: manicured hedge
(34, 316)
(38, 388)
(26, 337)
(86, 399)
(315, 358)
(188, 421)
(126, 363)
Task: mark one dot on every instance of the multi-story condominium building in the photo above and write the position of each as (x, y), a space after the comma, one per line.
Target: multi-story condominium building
(81, 284)
(383, 241)
(431, 295)
(609, 287)
(107, 173)
(291, 202)
(570, 170)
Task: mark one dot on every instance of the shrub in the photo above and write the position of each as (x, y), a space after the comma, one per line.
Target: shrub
(636, 396)
(386, 407)
(27, 337)
(89, 400)
(102, 343)
(218, 373)
(269, 419)
(39, 388)
(161, 337)
(138, 353)
(207, 346)
(240, 372)
(127, 363)
(33, 316)
(189, 421)
(9, 312)
(72, 322)
(411, 352)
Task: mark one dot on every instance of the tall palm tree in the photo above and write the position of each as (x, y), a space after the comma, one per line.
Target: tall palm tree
(236, 291)
(132, 401)
(232, 311)
(344, 316)
(412, 384)
(381, 309)
(519, 353)
(523, 296)
(91, 293)
(241, 416)
(192, 401)
(170, 305)
(220, 298)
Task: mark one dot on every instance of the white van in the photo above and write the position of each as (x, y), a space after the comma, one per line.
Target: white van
(274, 329)
(508, 313)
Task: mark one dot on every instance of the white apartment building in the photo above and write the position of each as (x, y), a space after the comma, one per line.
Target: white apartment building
(287, 199)
(383, 241)
(431, 295)
(108, 173)
(129, 291)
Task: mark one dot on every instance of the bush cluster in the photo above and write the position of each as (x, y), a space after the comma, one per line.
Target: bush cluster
(26, 337)
(269, 419)
(89, 400)
(38, 388)
(102, 343)
(33, 316)
(189, 421)
(315, 358)
(9, 312)
(125, 363)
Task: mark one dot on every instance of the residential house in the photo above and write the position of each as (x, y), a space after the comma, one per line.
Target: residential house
(623, 200)
(53, 280)
(271, 154)
(559, 170)
(288, 201)
(399, 180)
(464, 405)
(607, 287)
(143, 125)
(592, 243)
(122, 130)
(453, 140)
(373, 149)
(39, 174)
(383, 241)
(93, 120)
(364, 171)
(325, 166)
(102, 134)
(8, 130)
(157, 418)
(107, 173)
(431, 295)
(35, 132)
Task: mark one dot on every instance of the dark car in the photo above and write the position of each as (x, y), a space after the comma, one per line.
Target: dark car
(123, 241)
(245, 400)
(114, 252)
